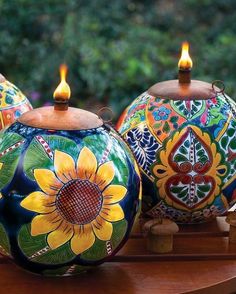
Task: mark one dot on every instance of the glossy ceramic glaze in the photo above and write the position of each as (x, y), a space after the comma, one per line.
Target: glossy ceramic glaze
(13, 103)
(186, 149)
(68, 198)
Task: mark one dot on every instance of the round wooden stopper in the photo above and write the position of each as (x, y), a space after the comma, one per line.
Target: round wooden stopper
(159, 243)
(231, 219)
(159, 234)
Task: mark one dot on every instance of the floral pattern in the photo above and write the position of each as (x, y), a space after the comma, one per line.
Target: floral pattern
(75, 197)
(162, 113)
(13, 103)
(189, 181)
(77, 202)
(195, 163)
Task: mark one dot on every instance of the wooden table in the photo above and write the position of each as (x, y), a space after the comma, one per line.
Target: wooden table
(202, 262)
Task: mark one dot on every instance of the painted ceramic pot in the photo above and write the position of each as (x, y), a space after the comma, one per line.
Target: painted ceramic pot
(69, 191)
(184, 141)
(13, 103)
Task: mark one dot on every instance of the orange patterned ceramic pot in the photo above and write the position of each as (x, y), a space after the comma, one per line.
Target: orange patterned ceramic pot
(13, 103)
(183, 138)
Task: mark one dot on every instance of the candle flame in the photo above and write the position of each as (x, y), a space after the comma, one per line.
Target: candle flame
(185, 61)
(62, 91)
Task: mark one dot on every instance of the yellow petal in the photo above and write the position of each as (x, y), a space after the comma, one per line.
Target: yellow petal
(105, 174)
(112, 213)
(47, 181)
(60, 236)
(102, 229)
(0, 195)
(114, 193)
(45, 223)
(39, 202)
(86, 164)
(83, 239)
(64, 166)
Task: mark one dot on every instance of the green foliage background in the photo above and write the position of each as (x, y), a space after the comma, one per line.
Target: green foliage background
(115, 49)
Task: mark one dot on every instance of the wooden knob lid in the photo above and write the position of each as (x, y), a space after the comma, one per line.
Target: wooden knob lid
(61, 116)
(70, 119)
(194, 90)
(161, 227)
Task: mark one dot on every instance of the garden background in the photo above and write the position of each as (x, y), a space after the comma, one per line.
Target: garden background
(115, 49)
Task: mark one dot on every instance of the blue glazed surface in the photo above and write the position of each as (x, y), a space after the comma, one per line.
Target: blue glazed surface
(34, 150)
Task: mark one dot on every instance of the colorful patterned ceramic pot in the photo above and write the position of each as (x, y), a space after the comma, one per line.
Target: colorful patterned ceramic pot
(69, 191)
(183, 137)
(13, 103)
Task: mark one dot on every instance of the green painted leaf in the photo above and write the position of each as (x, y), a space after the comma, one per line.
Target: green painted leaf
(92, 142)
(4, 241)
(224, 141)
(204, 188)
(120, 229)
(180, 158)
(183, 150)
(200, 152)
(176, 189)
(152, 108)
(10, 160)
(174, 119)
(200, 194)
(98, 250)
(203, 159)
(231, 132)
(198, 146)
(166, 128)
(232, 144)
(120, 162)
(31, 245)
(60, 255)
(183, 193)
(187, 143)
(157, 125)
(36, 156)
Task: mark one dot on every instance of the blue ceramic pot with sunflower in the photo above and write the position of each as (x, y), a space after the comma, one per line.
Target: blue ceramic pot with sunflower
(69, 191)
(183, 137)
(13, 103)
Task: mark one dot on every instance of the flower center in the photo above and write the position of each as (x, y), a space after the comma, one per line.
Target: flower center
(79, 201)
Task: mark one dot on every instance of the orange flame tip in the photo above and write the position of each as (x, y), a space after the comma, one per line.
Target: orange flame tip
(185, 62)
(62, 91)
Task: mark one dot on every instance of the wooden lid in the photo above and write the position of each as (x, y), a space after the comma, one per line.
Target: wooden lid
(61, 116)
(161, 227)
(173, 89)
(231, 218)
(69, 119)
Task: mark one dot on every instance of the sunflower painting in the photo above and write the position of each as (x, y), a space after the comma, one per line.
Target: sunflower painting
(77, 202)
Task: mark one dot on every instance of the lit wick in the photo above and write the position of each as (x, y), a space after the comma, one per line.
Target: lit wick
(185, 64)
(62, 92)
